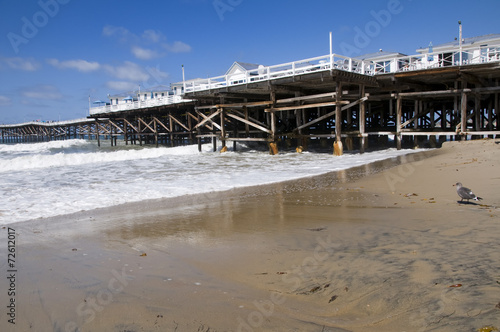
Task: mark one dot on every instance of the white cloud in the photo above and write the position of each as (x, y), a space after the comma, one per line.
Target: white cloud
(80, 65)
(150, 44)
(152, 36)
(143, 53)
(121, 85)
(177, 47)
(5, 101)
(42, 91)
(157, 76)
(130, 75)
(121, 33)
(129, 71)
(21, 63)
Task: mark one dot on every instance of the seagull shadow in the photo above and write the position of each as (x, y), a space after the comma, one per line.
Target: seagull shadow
(465, 202)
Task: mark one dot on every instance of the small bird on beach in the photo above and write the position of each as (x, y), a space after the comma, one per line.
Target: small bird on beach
(465, 193)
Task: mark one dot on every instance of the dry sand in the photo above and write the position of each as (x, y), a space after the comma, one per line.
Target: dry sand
(374, 248)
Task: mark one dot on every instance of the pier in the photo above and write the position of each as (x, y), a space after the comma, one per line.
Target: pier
(332, 100)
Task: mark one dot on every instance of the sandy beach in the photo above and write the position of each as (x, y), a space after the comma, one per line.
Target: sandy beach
(382, 247)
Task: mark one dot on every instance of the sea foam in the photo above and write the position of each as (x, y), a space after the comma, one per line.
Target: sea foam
(55, 178)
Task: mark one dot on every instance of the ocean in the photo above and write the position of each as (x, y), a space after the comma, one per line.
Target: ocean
(40, 180)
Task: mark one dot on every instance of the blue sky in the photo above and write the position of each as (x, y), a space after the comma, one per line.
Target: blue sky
(55, 53)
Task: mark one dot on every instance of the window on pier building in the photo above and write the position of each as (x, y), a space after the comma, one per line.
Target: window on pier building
(494, 53)
(489, 53)
(383, 67)
(484, 52)
(446, 59)
(456, 58)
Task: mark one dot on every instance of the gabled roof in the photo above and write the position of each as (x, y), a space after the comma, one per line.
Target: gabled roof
(494, 37)
(181, 83)
(122, 94)
(381, 55)
(156, 88)
(242, 66)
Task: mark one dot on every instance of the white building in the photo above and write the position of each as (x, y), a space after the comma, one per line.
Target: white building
(475, 50)
(383, 61)
(239, 71)
(157, 92)
(122, 98)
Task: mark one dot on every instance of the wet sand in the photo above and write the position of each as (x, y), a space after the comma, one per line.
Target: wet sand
(375, 248)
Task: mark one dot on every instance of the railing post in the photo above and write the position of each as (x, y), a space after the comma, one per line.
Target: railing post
(460, 40)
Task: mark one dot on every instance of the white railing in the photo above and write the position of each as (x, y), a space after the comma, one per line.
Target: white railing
(263, 73)
(48, 123)
(470, 56)
(138, 104)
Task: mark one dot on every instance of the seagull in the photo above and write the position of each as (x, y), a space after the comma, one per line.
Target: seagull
(465, 193)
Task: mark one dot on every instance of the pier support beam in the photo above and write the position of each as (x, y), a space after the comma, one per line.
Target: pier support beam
(362, 120)
(223, 127)
(97, 133)
(463, 113)
(497, 104)
(125, 131)
(478, 118)
(337, 146)
(399, 109)
(273, 145)
(155, 127)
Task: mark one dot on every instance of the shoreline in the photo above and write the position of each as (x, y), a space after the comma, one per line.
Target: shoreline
(63, 192)
(375, 248)
(260, 189)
